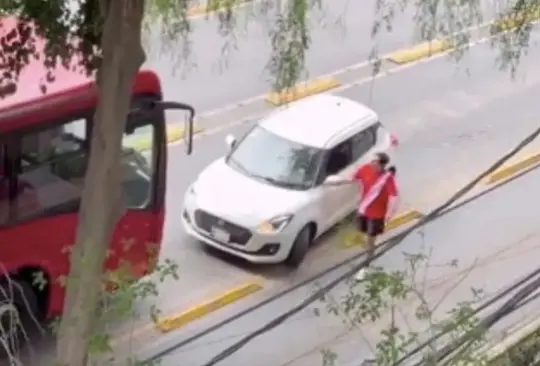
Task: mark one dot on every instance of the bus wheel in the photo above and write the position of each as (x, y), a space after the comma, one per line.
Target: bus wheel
(18, 304)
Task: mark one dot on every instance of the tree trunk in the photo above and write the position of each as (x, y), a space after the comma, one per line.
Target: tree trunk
(102, 198)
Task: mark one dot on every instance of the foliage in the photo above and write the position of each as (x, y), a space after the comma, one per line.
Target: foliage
(70, 36)
(118, 307)
(403, 310)
(457, 21)
(289, 32)
(73, 31)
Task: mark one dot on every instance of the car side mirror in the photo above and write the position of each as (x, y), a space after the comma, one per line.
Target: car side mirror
(230, 140)
(333, 179)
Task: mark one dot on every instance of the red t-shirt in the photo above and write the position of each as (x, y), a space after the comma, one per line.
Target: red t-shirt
(366, 176)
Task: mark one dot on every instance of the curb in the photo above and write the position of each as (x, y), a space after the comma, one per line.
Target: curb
(419, 51)
(214, 6)
(302, 90)
(175, 132)
(516, 19)
(176, 321)
(511, 170)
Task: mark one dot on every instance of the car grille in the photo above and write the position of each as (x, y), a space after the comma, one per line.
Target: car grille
(206, 221)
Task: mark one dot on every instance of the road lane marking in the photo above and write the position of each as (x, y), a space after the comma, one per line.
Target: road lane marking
(514, 20)
(511, 170)
(210, 7)
(403, 219)
(168, 323)
(419, 51)
(353, 238)
(175, 133)
(302, 90)
(469, 100)
(441, 110)
(339, 89)
(176, 321)
(334, 74)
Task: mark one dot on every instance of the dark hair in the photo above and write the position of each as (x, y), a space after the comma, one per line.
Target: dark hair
(382, 158)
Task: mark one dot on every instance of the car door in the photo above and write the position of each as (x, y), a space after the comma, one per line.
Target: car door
(363, 146)
(338, 163)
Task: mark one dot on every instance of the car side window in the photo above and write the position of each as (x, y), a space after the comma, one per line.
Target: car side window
(339, 158)
(362, 142)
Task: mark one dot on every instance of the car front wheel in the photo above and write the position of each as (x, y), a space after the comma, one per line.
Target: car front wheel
(299, 248)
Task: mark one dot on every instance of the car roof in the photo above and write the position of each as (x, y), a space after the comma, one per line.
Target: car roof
(320, 120)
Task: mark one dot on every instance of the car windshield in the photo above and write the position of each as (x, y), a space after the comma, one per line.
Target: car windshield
(276, 160)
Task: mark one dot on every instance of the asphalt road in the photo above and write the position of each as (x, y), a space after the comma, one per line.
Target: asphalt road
(495, 240)
(224, 66)
(448, 130)
(452, 123)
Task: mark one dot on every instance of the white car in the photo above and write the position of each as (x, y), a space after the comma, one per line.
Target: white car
(266, 201)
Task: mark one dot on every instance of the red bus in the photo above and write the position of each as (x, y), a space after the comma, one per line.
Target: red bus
(44, 150)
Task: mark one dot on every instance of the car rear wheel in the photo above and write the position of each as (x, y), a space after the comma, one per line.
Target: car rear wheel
(18, 303)
(299, 248)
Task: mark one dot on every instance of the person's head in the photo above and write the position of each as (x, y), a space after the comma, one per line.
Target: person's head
(380, 161)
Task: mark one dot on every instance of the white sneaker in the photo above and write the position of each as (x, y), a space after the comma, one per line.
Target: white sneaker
(360, 275)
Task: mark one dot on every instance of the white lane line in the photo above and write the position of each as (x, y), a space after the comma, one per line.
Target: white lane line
(344, 87)
(335, 73)
(468, 100)
(339, 89)
(441, 109)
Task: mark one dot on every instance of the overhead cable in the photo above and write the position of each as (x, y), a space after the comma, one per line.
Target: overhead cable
(514, 287)
(511, 305)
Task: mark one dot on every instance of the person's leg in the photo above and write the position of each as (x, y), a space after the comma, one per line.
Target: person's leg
(370, 246)
(373, 228)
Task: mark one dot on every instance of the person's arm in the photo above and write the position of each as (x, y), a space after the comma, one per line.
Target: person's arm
(341, 182)
(393, 197)
(356, 179)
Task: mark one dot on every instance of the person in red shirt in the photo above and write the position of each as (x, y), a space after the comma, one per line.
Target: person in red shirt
(378, 200)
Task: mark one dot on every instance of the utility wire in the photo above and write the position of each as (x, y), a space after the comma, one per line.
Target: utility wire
(517, 301)
(509, 289)
(397, 240)
(457, 353)
(430, 358)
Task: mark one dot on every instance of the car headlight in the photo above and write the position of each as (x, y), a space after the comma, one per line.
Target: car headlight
(275, 224)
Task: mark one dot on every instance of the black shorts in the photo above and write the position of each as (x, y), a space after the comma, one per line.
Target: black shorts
(370, 227)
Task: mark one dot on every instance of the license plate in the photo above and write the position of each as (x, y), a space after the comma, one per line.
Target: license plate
(220, 235)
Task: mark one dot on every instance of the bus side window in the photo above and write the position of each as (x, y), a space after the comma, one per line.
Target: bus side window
(52, 167)
(14, 195)
(49, 167)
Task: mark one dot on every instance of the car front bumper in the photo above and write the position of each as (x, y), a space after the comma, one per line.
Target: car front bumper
(259, 248)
